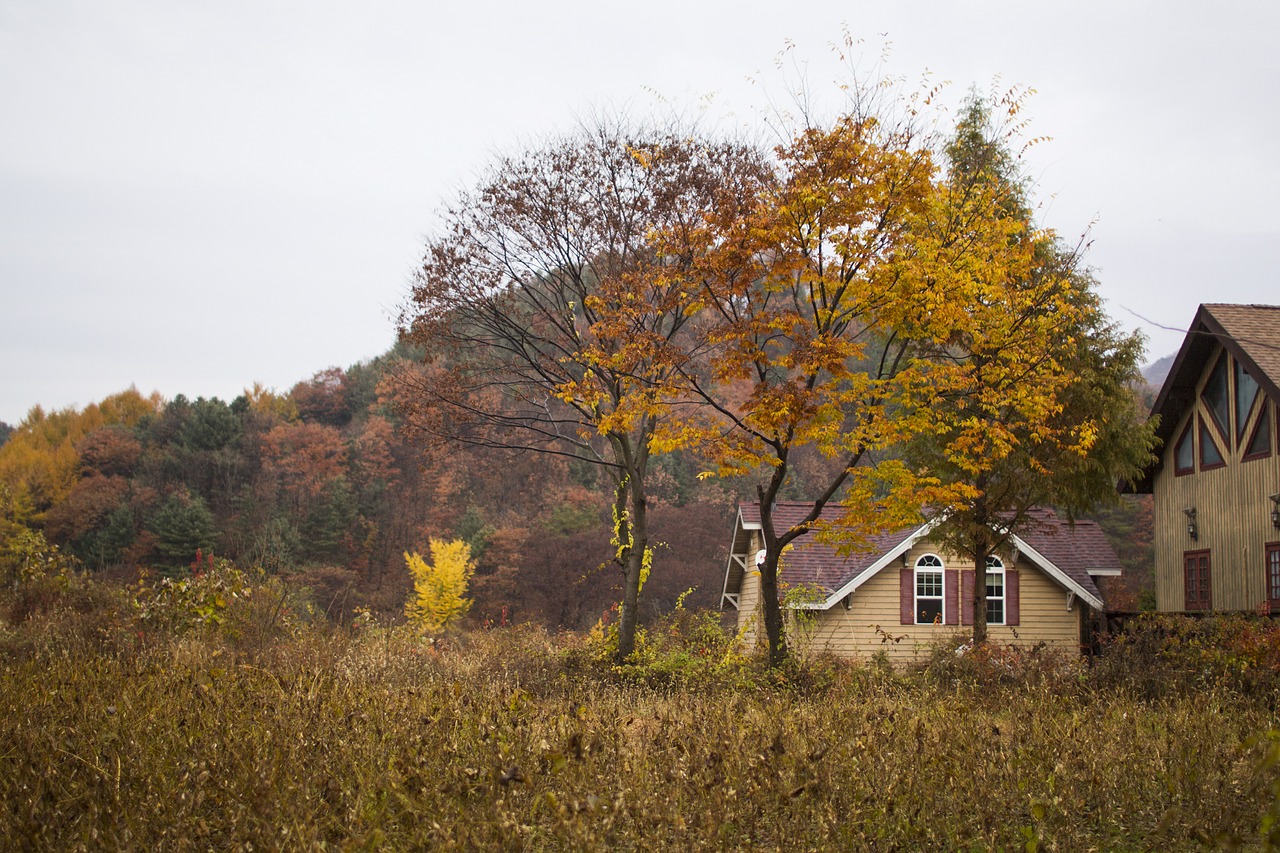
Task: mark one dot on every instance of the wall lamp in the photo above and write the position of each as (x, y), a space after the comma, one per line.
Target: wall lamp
(1275, 510)
(1192, 530)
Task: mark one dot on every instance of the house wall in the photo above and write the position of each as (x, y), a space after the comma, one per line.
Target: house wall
(1043, 617)
(1233, 517)
(749, 597)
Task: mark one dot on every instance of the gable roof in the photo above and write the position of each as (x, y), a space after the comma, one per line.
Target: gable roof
(1251, 333)
(1070, 555)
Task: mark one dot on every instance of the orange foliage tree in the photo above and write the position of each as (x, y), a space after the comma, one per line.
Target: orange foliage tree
(813, 318)
(555, 323)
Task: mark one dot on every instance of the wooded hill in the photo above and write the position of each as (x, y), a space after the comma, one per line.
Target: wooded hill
(318, 484)
(630, 329)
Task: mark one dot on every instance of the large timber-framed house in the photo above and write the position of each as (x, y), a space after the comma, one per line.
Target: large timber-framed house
(1216, 484)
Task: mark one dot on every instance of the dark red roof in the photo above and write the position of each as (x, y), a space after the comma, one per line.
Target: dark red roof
(816, 563)
(1075, 550)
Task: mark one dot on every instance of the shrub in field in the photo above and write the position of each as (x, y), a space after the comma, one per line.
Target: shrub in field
(45, 602)
(201, 599)
(955, 661)
(1160, 653)
(689, 649)
(26, 554)
(219, 602)
(440, 587)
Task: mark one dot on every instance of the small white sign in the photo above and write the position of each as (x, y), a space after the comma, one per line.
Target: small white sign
(760, 555)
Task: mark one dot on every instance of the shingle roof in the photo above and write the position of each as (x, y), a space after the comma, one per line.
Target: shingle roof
(1251, 333)
(811, 562)
(1254, 330)
(1073, 550)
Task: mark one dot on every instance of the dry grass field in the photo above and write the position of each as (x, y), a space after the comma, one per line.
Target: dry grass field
(226, 720)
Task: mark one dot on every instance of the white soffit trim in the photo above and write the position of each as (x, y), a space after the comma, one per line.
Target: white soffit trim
(739, 524)
(1057, 574)
(871, 571)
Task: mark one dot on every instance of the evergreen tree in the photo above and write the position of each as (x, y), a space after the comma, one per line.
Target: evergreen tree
(183, 525)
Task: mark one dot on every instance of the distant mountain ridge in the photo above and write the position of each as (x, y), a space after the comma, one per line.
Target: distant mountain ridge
(1156, 372)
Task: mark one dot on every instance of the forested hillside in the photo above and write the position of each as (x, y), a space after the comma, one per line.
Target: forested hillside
(320, 486)
(587, 382)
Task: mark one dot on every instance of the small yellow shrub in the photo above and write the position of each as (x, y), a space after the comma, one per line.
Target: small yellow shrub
(439, 587)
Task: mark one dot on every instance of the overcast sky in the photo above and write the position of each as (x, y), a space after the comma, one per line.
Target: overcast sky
(197, 196)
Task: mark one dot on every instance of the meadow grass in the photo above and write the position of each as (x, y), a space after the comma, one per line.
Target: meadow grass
(117, 736)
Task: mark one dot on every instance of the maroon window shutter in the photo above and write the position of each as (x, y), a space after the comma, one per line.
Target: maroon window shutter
(907, 603)
(952, 595)
(966, 598)
(1010, 597)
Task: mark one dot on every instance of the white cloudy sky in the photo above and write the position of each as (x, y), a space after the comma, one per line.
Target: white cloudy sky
(195, 196)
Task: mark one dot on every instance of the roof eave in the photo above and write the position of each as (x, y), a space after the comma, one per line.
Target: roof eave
(874, 569)
(1051, 569)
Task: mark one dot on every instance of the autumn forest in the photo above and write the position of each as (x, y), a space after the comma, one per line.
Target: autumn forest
(623, 334)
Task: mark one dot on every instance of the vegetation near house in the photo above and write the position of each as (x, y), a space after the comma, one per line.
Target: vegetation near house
(440, 587)
(1036, 404)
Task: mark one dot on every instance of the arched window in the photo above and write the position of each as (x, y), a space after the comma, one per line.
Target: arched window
(928, 605)
(995, 591)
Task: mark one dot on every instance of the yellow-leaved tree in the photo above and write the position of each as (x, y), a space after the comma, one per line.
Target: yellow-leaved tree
(439, 587)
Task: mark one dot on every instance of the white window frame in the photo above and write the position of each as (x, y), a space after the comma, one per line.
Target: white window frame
(995, 566)
(929, 564)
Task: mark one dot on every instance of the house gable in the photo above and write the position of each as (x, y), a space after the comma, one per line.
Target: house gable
(1069, 556)
(1248, 336)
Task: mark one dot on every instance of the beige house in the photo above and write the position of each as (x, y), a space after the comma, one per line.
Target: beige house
(906, 592)
(1217, 482)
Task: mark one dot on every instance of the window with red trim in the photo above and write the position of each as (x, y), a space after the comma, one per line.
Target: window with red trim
(995, 591)
(1184, 453)
(1210, 455)
(1272, 563)
(1260, 445)
(928, 606)
(1215, 397)
(1246, 394)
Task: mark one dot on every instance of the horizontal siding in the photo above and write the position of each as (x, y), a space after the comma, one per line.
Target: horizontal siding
(749, 596)
(872, 624)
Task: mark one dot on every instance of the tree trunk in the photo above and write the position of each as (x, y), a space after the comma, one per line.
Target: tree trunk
(981, 533)
(772, 607)
(635, 558)
(980, 596)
